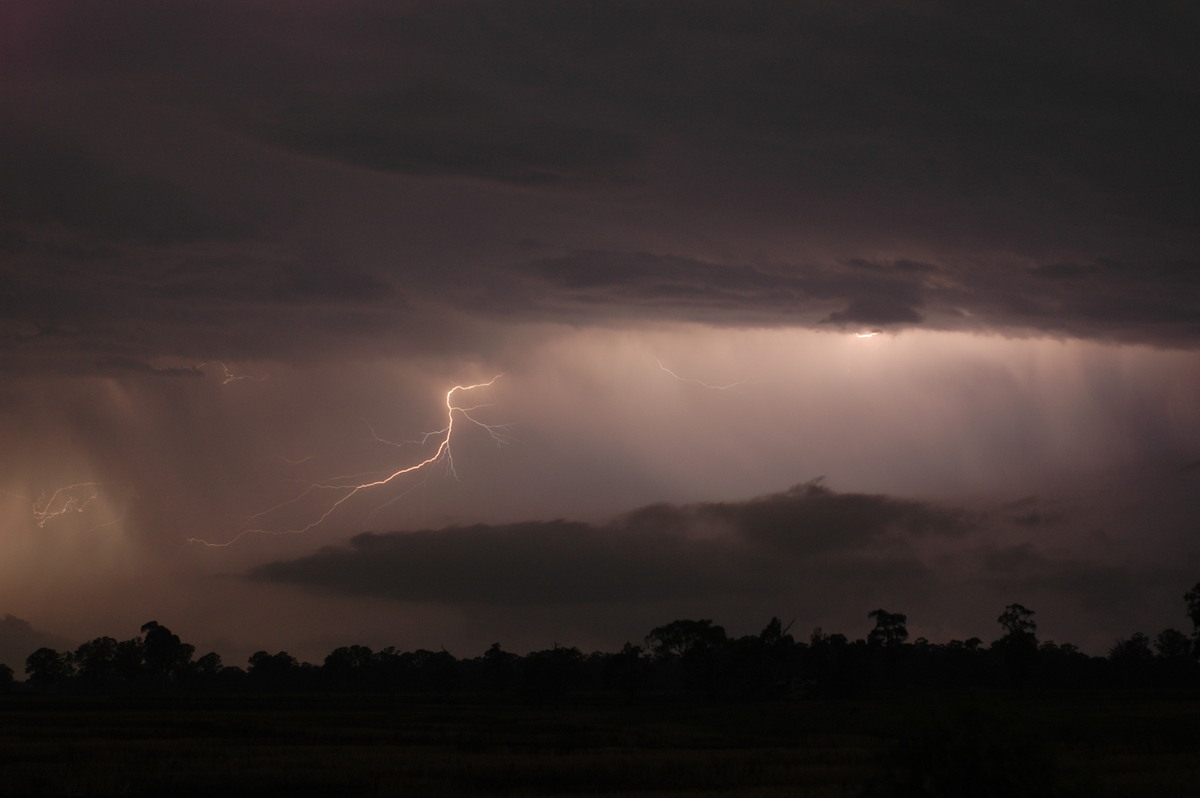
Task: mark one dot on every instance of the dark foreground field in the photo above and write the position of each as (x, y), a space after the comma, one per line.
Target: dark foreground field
(1078, 745)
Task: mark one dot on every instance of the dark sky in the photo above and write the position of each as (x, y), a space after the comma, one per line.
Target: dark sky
(799, 309)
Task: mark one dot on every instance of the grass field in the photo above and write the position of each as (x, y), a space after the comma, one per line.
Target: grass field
(1072, 745)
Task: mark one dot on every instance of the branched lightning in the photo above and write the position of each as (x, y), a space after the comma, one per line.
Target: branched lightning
(348, 488)
(229, 376)
(68, 499)
(711, 387)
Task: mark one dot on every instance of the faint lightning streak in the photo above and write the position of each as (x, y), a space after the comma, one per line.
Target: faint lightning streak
(441, 454)
(375, 435)
(725, 387)
(870, 334)
(44, 510)
(229, 376)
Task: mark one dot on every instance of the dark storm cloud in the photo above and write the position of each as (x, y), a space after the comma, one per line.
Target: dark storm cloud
(657, 553)
(433, 130)
(1149, 302)
(530, 563)
(679, 287)
(1119, 590)
(967, 104)
(876, 311)
(810, 519)
(694, 290)
(55, 184)
(973, 101)
(1026, 167)
(129, 366)
(330, 282)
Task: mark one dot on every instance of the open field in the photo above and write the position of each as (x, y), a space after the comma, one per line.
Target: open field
(1076, 744)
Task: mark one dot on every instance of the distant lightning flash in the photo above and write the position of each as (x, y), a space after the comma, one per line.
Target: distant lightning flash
(870, 334)
(442, 454)
(726, 387)
(69, 499)
(229, 376)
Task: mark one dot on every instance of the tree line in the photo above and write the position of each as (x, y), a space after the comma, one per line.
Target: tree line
(684, 657)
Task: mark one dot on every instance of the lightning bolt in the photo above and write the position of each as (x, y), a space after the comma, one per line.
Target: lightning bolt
(870, 334)
(711, 387)
(349, 489)
(229, 376)
(68, 499)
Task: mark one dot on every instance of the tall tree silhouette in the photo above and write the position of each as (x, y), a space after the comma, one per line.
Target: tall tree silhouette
(1192, 597)
(47, 668)
(678, 639)
(1020, 630)
(1017, 649)
(890, 629)
(166, 655)
(96, 661)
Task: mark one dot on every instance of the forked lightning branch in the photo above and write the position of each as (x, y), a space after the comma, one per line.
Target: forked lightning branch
(339, 491)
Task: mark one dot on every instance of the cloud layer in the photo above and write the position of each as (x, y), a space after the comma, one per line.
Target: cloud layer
(657, 553)
(823, 556)
(306, 177)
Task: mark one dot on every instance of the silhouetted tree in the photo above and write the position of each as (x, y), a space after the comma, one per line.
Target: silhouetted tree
(959, 663)
(129, 660)
(165, 655)
(688, 653)
(1175, 666)
(683, 637)
(6, 678)
(627, 671)
(47, 668)
(890, 629)
(206, 673)
(433, 672)
(1017, 649)
(828, 663)
(781, 655)
(1019, 626)
(273, 672)
(684, 656)
(1172, 644)
(392, 670)
(759, 666)
(350, 666)
(96, 662)
(1132, 659)
(774, 634)
(209, 664)
(499, 669)
(1135, 648)
(1192, 597)
(1062, 666)
(547, 676)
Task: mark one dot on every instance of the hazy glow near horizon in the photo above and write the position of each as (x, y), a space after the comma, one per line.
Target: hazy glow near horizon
(599, 425)
(940, 401)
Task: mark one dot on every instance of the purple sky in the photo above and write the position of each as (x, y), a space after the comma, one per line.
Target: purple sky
(247, 247)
